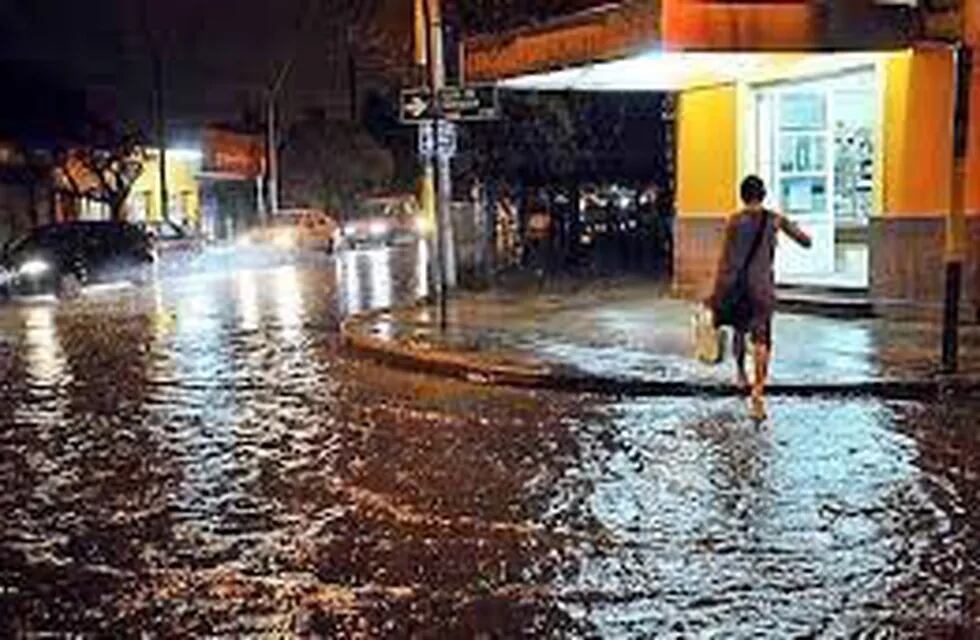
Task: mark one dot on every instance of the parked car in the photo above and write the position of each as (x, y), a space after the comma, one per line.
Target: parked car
(307, 229)
(63, 258)
(175, 244)
(384, 220)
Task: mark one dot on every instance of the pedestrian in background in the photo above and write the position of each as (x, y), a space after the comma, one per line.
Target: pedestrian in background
(664, 214)
(744, 295)
(539, 235)
(647, 221)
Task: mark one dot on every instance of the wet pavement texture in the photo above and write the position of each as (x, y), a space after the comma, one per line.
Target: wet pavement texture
(627, 331)
(202, 457)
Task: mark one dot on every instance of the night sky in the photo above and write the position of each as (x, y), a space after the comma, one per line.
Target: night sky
(219, 54)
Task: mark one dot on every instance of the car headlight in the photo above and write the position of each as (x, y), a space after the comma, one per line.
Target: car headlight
(33, 268)
(378, 228)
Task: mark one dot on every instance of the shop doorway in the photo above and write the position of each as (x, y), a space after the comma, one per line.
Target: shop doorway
(816, 143)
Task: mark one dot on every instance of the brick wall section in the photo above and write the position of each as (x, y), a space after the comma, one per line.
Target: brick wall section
(971, 286)
(908, 267)
(697, 251)
(907, 264)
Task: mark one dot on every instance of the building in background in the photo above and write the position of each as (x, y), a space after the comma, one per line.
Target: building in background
(183, 188)
(845, 107)
(231, 178)
(213, 185)
(27, 196)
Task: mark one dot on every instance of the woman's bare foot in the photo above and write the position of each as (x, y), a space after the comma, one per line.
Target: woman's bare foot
(757, 406)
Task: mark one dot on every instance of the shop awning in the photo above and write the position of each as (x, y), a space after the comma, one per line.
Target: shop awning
(675, 71)
(625, 30)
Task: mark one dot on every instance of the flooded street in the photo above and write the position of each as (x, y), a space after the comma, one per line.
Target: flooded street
(201, 456)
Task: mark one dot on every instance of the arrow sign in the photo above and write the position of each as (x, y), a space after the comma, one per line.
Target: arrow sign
(416, 106)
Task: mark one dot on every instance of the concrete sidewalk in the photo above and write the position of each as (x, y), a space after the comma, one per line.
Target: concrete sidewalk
(634, 339)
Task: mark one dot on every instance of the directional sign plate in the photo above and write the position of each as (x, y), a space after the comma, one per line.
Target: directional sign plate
(446, 145)
(474, 102)
(417, 105)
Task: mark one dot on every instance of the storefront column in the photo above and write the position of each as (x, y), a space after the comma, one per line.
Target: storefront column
(707, 184)
(908, 239)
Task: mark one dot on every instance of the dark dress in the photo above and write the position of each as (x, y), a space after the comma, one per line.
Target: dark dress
(755, 318)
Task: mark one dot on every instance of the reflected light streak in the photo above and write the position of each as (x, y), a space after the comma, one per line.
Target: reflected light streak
(350, 290)
(289, 303)
(45, 358)
(248, 300)
(422, 270)
(379, 272)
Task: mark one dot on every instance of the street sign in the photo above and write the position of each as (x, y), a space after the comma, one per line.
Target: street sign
(427, 140)
(448, 140)
(475, 102)
(417, 105)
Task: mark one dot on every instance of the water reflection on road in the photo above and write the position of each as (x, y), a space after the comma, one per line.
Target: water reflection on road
(201, 457)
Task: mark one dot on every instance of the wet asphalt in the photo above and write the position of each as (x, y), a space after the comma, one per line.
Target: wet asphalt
(200, 456)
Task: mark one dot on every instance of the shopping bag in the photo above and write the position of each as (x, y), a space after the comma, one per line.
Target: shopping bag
(709, 340)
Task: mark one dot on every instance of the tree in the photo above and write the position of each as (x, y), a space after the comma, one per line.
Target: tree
(329, 163)
(101, 171)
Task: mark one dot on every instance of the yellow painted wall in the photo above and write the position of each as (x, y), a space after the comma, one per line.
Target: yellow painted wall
(181, 178)
(707, 155)
(918, 107)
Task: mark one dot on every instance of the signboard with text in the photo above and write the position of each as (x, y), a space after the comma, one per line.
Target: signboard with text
(467, 103)
(476, 102)
(232, 154)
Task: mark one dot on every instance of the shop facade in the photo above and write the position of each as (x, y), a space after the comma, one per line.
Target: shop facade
(213, 186)
(848, 116)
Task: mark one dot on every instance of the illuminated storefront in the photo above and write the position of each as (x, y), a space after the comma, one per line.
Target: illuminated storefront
(183, 189)
(846, 112)
(213, 186)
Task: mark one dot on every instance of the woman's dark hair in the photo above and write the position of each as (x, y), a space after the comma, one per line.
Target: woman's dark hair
(753, 190)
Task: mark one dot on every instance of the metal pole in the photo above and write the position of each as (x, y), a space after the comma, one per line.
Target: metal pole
(436, 75)
(352, 75)
(955, 221)
(161, 131)
(272, 144)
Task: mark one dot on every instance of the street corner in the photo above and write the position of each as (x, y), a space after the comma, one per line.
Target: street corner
(411, 339)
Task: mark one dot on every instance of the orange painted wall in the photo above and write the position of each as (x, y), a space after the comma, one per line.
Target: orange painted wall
(707, 159)
(695, 24)
(972, 19)
(917, 134)
(577, 40)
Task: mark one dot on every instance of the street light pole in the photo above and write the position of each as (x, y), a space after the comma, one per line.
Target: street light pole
(435, 76)
(272, 124)
(161, 133)
(956, 221)
(272, 150)
(439, 168)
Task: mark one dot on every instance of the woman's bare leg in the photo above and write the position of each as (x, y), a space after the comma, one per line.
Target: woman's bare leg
(760, 356)
(738, 351)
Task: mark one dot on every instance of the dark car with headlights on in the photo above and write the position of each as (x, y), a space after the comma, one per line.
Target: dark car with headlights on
(63, 258)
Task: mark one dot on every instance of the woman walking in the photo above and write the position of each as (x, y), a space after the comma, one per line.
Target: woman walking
(744, 295)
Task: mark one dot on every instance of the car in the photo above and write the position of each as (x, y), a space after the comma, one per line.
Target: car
(305, 229)
(384, 220)
(63, 258)
(175, 244)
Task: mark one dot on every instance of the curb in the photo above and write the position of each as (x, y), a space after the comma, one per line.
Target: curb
(460, 366)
